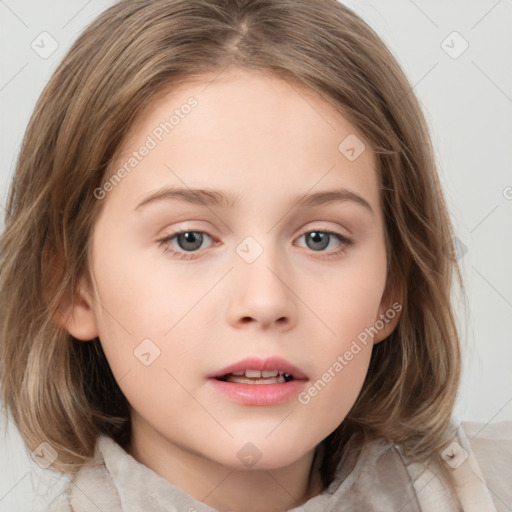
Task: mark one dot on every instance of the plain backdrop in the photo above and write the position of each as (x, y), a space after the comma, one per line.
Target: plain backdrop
(457, 57)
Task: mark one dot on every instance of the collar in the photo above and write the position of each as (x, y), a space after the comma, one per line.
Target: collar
(381, 478)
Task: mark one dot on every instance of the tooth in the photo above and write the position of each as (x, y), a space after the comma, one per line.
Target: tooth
(270, 373)
(238, 373)
(244, 380)
(253, 374)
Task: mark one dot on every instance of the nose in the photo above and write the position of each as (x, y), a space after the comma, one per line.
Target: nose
(262, 295)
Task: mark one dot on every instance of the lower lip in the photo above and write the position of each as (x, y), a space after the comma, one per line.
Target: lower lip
(259, 394)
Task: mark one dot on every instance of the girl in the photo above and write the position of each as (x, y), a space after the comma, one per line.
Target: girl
(226, 272)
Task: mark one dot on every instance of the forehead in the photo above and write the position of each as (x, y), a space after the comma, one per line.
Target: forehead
(245, 129)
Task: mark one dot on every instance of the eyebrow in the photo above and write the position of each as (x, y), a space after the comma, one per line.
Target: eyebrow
(212, 197)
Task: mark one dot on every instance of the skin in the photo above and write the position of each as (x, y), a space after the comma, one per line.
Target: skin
(264, 141)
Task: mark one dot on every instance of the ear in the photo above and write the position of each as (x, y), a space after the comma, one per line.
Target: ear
(389, 313)
(75, 313)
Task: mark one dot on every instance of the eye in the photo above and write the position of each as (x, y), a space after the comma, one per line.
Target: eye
(186, 240)
(189, 242)
(318, 240)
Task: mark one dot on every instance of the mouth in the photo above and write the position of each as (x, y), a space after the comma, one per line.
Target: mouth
(257, 377)
(273, 370)
(259, 382)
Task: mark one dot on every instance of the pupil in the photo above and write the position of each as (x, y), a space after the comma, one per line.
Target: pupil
(191, 240)
(319, 238)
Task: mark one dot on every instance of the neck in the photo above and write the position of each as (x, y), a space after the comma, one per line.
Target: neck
(222, 487)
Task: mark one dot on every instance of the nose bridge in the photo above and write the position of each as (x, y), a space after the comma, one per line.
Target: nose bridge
(261, 289)
(260, 259)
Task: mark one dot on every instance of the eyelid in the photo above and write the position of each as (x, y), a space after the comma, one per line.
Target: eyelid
(345, 241)
(165, 241)
(330, 231)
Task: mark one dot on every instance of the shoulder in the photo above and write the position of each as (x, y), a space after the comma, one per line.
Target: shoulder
(60, 504)
(91, 484)
(487, 436)
(491, 446)
(479, 459)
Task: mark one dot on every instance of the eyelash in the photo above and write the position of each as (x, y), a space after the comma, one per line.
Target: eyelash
(345, 241)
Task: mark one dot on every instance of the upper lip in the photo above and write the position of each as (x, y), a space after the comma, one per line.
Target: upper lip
(268, 364)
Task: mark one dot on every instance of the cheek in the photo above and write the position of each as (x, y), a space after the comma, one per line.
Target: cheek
(332, 392)
(347, 298)
(134, 300)
(348, 307)
(147, 324)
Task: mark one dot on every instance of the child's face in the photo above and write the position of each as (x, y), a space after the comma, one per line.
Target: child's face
(263, 143)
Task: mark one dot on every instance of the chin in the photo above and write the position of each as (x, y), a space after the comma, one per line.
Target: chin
(253, 457)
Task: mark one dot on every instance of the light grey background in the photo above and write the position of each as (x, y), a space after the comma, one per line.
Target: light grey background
(468, 102)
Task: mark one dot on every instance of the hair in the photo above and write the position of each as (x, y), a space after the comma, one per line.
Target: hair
(61, 390)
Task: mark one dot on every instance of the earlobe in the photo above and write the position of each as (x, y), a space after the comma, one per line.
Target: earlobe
(76, 314)
(388, 316)
(386, 321)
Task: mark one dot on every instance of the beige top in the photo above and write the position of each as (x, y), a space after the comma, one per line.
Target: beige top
(381, 479)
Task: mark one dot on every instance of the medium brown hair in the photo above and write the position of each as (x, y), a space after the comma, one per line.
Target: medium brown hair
(61, 390)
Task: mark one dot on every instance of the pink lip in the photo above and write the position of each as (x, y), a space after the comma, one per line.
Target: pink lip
(253, 363)
(260, 394)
